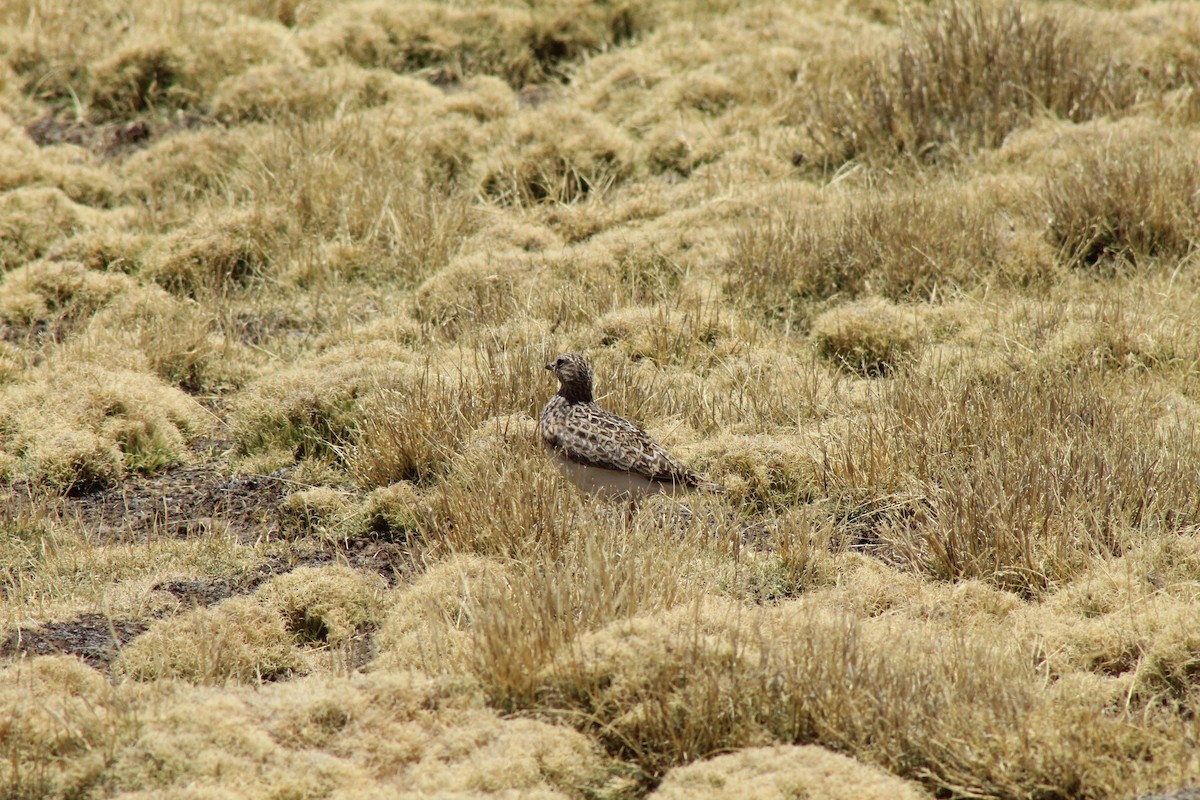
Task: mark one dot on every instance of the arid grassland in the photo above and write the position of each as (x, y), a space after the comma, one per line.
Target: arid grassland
(918, 283)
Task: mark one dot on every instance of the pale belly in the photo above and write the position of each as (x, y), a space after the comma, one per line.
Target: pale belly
(608, 483)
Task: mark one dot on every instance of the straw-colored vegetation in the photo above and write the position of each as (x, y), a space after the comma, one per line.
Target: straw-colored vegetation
(918, 282)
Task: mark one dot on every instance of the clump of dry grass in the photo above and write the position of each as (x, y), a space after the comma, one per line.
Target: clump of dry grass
(140, 75)
(355, 185)
(413, 428)
(521, 45)
(662, 689)
(238, 641)
(697, 333)
(67, 167)
(55, 295)
(33, 220)
(769, 472)
(84, 425)
(173, 177)
(1132, 201)
(1018, 482)
(773, 773)
(275, 91)
(105, 249)
(510, 505)
(964, 76)
(428, 626)
(326, 605)
(412, 432)
(216, 254)
(311, 409)
(255, 639)
(870, 338)
(556, 154)
(63, 724)
(174, 335)
(865, 243)
(394, 509)
(319, 509)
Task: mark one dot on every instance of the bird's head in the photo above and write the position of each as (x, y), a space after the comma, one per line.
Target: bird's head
(575, 376)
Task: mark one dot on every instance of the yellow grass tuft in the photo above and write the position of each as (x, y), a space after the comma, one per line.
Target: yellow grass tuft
(428, 626)
(776, 773)
(1134, 200)
(869, 338)
(866, 243)
(328, 605)
(215, 255)
(321, 510)
(311, 410)
(534, 161)
(963, 76)
(143, 74)
(63, 723)
(238, 641)
(36, 219)
(110, 422)
(56, 294)
(278, 90)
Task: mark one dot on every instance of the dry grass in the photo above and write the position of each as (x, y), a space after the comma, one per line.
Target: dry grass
(919, 285)
(1133, 201)
(963, 76)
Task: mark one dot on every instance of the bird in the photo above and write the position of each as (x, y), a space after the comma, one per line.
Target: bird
(602, 453)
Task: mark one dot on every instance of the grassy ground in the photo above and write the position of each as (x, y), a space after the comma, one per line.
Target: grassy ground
(919, 284)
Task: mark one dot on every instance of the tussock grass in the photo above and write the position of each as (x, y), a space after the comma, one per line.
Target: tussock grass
(216, 255)
(259, 638)
(108, 423)
(535, 162)
(666, 689)
(522, 44)
(1025, 481)
(772, 772)
(239, 641)
(1133, 201)
(35, 219)
(963, 76)
(866, 243)
(54, 295)
(62, 723)
(868, 338)
(310, 410)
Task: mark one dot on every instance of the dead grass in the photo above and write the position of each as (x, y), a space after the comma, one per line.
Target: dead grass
(1133, 201)
(919, 285)
(773, 772)
(868, 338)
(962, 77)
(1025, 482)
(866, 242)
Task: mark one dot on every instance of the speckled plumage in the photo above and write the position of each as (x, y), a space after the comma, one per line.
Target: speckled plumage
(601, 452)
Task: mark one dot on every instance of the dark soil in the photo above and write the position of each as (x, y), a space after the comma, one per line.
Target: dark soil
(109, 140)
(93, 637)
(178, 502)
(185, 502)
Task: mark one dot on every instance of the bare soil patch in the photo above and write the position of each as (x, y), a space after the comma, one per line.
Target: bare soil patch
(177, 502)
(93, 637)
(109, 140)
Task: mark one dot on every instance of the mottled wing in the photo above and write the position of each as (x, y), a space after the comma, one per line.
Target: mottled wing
(594, 437)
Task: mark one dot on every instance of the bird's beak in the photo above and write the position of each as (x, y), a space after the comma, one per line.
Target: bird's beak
(549, 366)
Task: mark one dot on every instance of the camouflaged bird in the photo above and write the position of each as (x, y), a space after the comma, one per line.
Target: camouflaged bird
(602, 453)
